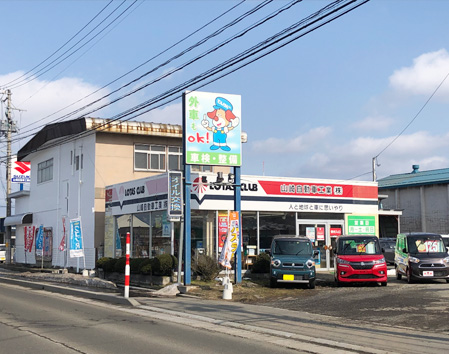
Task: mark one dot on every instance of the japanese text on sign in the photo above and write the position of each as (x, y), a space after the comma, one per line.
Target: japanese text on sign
(175, 201)
(311, 189)
(76, 239)
(212, 129)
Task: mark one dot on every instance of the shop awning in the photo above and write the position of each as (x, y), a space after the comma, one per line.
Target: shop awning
(19, 219)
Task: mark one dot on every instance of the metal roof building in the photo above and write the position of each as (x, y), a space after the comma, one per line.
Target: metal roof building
(422, 195)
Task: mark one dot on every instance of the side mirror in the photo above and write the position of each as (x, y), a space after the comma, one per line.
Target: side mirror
(383, 250)
(315, 253)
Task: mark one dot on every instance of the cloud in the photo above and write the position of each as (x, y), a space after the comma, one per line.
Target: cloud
(355, 157)
(294, 145)
(40, 99)
(424, 76)
(42, 102)
(346, 159)
(171, 114)
(373, 123)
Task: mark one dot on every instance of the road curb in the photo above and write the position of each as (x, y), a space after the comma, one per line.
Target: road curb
(111, 298)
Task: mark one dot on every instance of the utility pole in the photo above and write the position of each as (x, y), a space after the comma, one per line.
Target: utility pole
(374, 169)
(8, 127)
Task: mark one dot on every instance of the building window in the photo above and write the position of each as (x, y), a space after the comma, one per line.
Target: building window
(78, 162)
(175, 158)
(149, 157)
(203, 168)
(45, 171)
(154, 157)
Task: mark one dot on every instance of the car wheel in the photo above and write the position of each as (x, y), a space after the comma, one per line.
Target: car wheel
(273, 283)
(312, 284)
(409, 276)
(338, 283)
(398, 275)
(384, 283)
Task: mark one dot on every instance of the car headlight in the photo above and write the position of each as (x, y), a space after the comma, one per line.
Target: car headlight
(310, 263)
(413, 259)
(379, 261)
(275, 262)
(342, 261)
(446, 260)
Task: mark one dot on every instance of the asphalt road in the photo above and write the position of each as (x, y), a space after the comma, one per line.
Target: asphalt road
(399, 318)
(34, 321)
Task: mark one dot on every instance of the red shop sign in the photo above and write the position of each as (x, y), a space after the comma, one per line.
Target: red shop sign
(335, 231)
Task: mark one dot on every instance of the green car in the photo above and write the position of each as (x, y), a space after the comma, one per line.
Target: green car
(292, 261)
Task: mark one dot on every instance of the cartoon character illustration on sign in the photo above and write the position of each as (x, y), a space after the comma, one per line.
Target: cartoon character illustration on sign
(223, 121)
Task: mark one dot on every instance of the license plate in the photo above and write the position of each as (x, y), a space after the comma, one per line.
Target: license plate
(428, 273)
(290, 277)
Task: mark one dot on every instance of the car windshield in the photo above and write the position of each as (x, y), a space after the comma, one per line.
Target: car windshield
(426, 244)
(359, 246)
(2, 248)
(290, 247)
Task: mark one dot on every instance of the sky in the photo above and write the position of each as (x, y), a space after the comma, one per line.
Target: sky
(369, 84)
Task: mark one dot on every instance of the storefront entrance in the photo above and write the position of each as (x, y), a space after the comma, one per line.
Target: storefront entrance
(323, 233)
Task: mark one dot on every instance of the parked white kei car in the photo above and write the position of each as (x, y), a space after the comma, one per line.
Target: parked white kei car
(2, 253)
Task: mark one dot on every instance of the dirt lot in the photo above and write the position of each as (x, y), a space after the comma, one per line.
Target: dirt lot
(251, 291)
(423, 305)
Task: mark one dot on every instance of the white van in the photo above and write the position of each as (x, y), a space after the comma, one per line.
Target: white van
(2, 253)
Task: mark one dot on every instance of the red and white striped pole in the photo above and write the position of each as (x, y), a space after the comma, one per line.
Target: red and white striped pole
(127, 266)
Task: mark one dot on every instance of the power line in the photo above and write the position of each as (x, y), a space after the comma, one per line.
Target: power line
(175, 44)
(232, 23)
(414, 118)
(333, 10)
(57, 50)
(79, 57)
(52, 64)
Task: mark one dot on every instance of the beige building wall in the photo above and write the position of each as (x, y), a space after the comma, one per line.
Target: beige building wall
(114, 163)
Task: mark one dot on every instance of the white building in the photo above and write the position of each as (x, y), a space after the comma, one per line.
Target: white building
(71, 163)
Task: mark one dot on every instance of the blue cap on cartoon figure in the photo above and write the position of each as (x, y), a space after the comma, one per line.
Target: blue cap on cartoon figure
(223, 103)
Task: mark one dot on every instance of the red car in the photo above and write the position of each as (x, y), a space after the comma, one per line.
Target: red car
(359, 259)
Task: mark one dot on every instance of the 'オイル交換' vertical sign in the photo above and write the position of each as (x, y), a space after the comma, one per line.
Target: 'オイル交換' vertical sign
(175, 201)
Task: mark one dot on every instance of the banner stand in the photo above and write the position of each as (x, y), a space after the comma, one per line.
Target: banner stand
(228, 289)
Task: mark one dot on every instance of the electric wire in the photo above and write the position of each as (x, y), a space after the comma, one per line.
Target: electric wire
(168, 94)
(246, 54)
(414, 118)
(78, 58)
(183, 66)
(21, 137)
(42, 71)
(258, 7)
(57, 50)
(411, 121)
(137, 67)
(179, 88)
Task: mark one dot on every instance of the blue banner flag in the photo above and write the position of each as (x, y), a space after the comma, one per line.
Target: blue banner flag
(76, 239)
